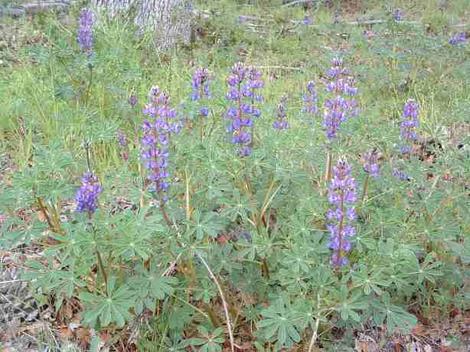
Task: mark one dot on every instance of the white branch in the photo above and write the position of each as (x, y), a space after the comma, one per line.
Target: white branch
(224, 302)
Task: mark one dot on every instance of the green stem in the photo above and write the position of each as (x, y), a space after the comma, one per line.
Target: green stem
(98, 255)
(90, 81)
(103, 271)
(328, 165)
(365, 189)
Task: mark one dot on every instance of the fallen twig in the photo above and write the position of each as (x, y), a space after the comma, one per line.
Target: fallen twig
(224, 302)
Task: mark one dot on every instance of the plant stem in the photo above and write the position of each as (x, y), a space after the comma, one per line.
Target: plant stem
(98, 255)
(365, 189)
(187, 197)
(44, 212)
(317, 324)
(90, 80)
(314, 335)
(165, 215)
(328, 165)
(103, 272)
(224, 302)
(87, 153)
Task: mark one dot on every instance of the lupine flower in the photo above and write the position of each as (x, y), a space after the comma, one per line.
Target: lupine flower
(397, 15)
(341, 107)
(122, 140)
(341, 195)
(157, 128)
(307, 20)
(200, 84)
(244, 84)
(132, 100)
(310, 99)
(281, 122)
(242, 19)
(368, 34)
(400, 175)
(458, 38)
(409, 124)
(335, 114)
(85, 29)
(370, 162)
(87, 194)
(201, 90)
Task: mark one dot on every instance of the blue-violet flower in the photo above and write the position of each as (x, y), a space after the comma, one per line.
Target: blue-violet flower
(85, 31)
(458, 38)
(409, 124)
(310, 99)
(201, 90)
(370, 162)
(281, 121)
(244, 85)
(341, 107)
(157, 128)
(342, 196)
(87, 195)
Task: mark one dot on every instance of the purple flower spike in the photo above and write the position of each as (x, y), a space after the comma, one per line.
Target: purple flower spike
(335, 114)
(201, 90)
(341, 107)
(458, 38)
(87, 194)
(85, 31)
(244, 84)
(122, 138)
(157, 130)
(310, 99)
(307, 20)
(281, 121)
(341, 195)
(409, 124)
(400, 175)
(370, 162)
(132, 100)
(397, 15)
(200, 84)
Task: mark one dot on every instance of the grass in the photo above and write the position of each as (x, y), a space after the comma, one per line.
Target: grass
(49, 109)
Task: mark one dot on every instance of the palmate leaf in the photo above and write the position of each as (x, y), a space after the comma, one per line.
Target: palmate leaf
(207, 223)
(373, 280)
(108, 309)
(396, 318)
(209, 342)
(150, 286)
(279, 324)
(351, 306)
(160, 286)
(61, 281)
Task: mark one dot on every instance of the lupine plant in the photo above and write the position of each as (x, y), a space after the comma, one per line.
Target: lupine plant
(172, 241)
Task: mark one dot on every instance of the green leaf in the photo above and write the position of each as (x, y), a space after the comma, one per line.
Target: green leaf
(161, 286)
(112, 309)
(279, 324)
